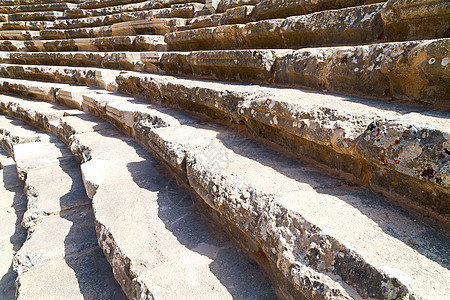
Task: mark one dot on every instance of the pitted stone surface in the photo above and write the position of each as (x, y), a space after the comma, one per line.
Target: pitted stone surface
(388, 246)
(320, 120)
(60, 224)
(12, 206)
(383, 67)
(183, 255)
(416, 19)
(295, 215)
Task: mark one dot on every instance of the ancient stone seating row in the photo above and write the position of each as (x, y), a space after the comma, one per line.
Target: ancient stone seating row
(276, 204)
(61, 248)
(62, 225)
(349, 132)
(377, 70)
(365, 17)
(383, 66)
(322, 236)
(425, 62)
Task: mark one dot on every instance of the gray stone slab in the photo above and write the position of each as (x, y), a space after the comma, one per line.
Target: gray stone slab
(12, 234)
(254, 188)
(60, 257)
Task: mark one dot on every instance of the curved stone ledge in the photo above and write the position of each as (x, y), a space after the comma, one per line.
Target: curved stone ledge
(283, 213)
(327, 128)
(176, 252)
(316, 29)
(377, 70)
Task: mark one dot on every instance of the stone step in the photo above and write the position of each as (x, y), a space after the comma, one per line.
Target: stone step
(36, 16)
(377, 70)
(60, 258)
(355, 25)
(112, 43)
(271, 9)
(236, 15)
(353, 131)
(416, 19)
(29, 2)
(106, 3)
(137, 27)
(12, 205)
(62, 6)
(274, 203)
(106, 10)
(13, 132)
(397, 147)
(27, 25)
(140, 6)
(159, 246)
(20, 35)
(112, 18)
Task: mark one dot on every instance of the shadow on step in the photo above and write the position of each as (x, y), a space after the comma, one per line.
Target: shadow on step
(242, 277)
(412, 230)
(82, 253)
(12, 183)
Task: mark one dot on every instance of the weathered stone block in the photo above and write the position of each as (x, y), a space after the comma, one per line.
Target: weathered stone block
(187, 10)
(264, 34)
(240, 14)
(339, 27)
(191, 39)
(248, 65)
(416, 19)
(412, 71)
(269, 9)
(224, 5)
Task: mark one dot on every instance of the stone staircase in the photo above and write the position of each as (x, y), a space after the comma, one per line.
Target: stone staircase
(315, 133)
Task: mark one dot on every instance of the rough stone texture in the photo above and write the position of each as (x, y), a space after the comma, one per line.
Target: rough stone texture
(250, 65)
(377, 70)
(183, 255)
(81, 13)
(73, 273)
(57, 259)
(407, 71)
(110, 19)
(37, 7)
(353, 25)
(26, 25)
(186, 10)
(416, 19)
(18, 35)
(224, 5)
(293, 215)
(115, 43)
(128, 28)
(18, 135)
(323, 127)
(34, 2)
(276, 203)
(36, 16)
(105, 3)
(269, 9)
(12, 206)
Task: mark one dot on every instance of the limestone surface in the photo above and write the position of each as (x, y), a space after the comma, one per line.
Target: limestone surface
(314, 132)
(308, 248)
(182, 253)
(416, 19)
(318, 124)
(12, 206)
(60, 257)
